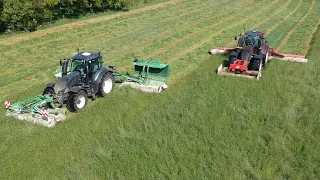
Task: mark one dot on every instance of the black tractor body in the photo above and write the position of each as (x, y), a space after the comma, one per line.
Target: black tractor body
(83, 77)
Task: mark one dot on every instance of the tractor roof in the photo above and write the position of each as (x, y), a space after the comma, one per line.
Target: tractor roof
(254, 33)
(87, 56)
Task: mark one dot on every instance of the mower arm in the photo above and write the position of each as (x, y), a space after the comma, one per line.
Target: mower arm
(288, 57)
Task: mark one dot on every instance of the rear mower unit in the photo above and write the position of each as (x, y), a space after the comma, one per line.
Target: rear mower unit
(250, 56)
(148, 76)
(38, 109)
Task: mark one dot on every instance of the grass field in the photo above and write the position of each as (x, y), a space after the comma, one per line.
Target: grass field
(203, 127)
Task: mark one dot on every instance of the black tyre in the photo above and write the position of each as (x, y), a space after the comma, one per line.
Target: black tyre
(76, 101)
(106, 85)
(265, 59)
(255, 64)
(232, 59)
(48, 91)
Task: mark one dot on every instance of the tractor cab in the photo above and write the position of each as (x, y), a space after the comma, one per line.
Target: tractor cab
(252, 38)
(83, 62)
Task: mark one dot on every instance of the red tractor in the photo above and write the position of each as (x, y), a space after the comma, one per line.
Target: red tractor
(250, 55)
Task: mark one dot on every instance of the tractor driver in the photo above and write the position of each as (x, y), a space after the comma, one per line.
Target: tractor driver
(77, 65)
(251, 41)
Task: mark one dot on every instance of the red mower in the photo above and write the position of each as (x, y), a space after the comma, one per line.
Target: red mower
(251, 55)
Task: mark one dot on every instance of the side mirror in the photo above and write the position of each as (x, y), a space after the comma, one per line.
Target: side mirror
(235, 38)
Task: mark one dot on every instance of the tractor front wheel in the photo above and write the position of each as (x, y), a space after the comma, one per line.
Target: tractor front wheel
(106, 85)
(48, 91)
(266, 59)
(76, 101)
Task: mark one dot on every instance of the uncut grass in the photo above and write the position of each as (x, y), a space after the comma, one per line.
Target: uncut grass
(282, 30)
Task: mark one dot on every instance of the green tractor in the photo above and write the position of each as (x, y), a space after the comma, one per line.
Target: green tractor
(80, 78)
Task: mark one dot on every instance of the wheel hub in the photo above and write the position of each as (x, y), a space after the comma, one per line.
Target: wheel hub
(107, 86)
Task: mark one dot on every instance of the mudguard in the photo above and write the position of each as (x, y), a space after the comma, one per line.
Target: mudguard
(75, 89)
(258, 56)
(51, 84)
(99, 74)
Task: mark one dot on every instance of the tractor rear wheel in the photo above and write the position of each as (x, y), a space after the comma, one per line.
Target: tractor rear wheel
(106, 85)
(76, 101)
(48, 91)
(255, 64)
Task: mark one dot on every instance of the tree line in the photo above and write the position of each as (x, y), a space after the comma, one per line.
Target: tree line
(22, 15)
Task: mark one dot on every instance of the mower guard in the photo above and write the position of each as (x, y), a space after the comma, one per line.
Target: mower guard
(286, 57)
(221, 50)
(226, 71)
(148, 76)
(35, 110)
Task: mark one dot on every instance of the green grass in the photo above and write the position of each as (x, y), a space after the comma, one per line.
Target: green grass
(203, 127)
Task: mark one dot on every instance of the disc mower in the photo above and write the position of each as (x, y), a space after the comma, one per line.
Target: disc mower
(148, 76)
(39, 109)
(251, 55)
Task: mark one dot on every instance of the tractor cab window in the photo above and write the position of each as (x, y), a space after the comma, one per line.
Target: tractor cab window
(77, 65)
(94, 65)
(251, 41)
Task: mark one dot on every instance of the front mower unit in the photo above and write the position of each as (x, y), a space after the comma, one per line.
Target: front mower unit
(148, 76)
(36, 110)
(250, 74)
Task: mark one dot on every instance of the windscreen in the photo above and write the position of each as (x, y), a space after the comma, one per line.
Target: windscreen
(77, 65)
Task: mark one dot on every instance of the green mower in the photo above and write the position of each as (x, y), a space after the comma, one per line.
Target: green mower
(38, 109)
(147, 76)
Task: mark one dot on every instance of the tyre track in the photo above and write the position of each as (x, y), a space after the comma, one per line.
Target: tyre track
(189, 36)
(194, 10)
(285, 40)
(197, 45)
(280, 22)
(308, 42)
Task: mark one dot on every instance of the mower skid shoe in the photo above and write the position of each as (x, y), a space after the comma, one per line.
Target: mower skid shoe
(145, 88)
(224, 71)
(55, 116)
